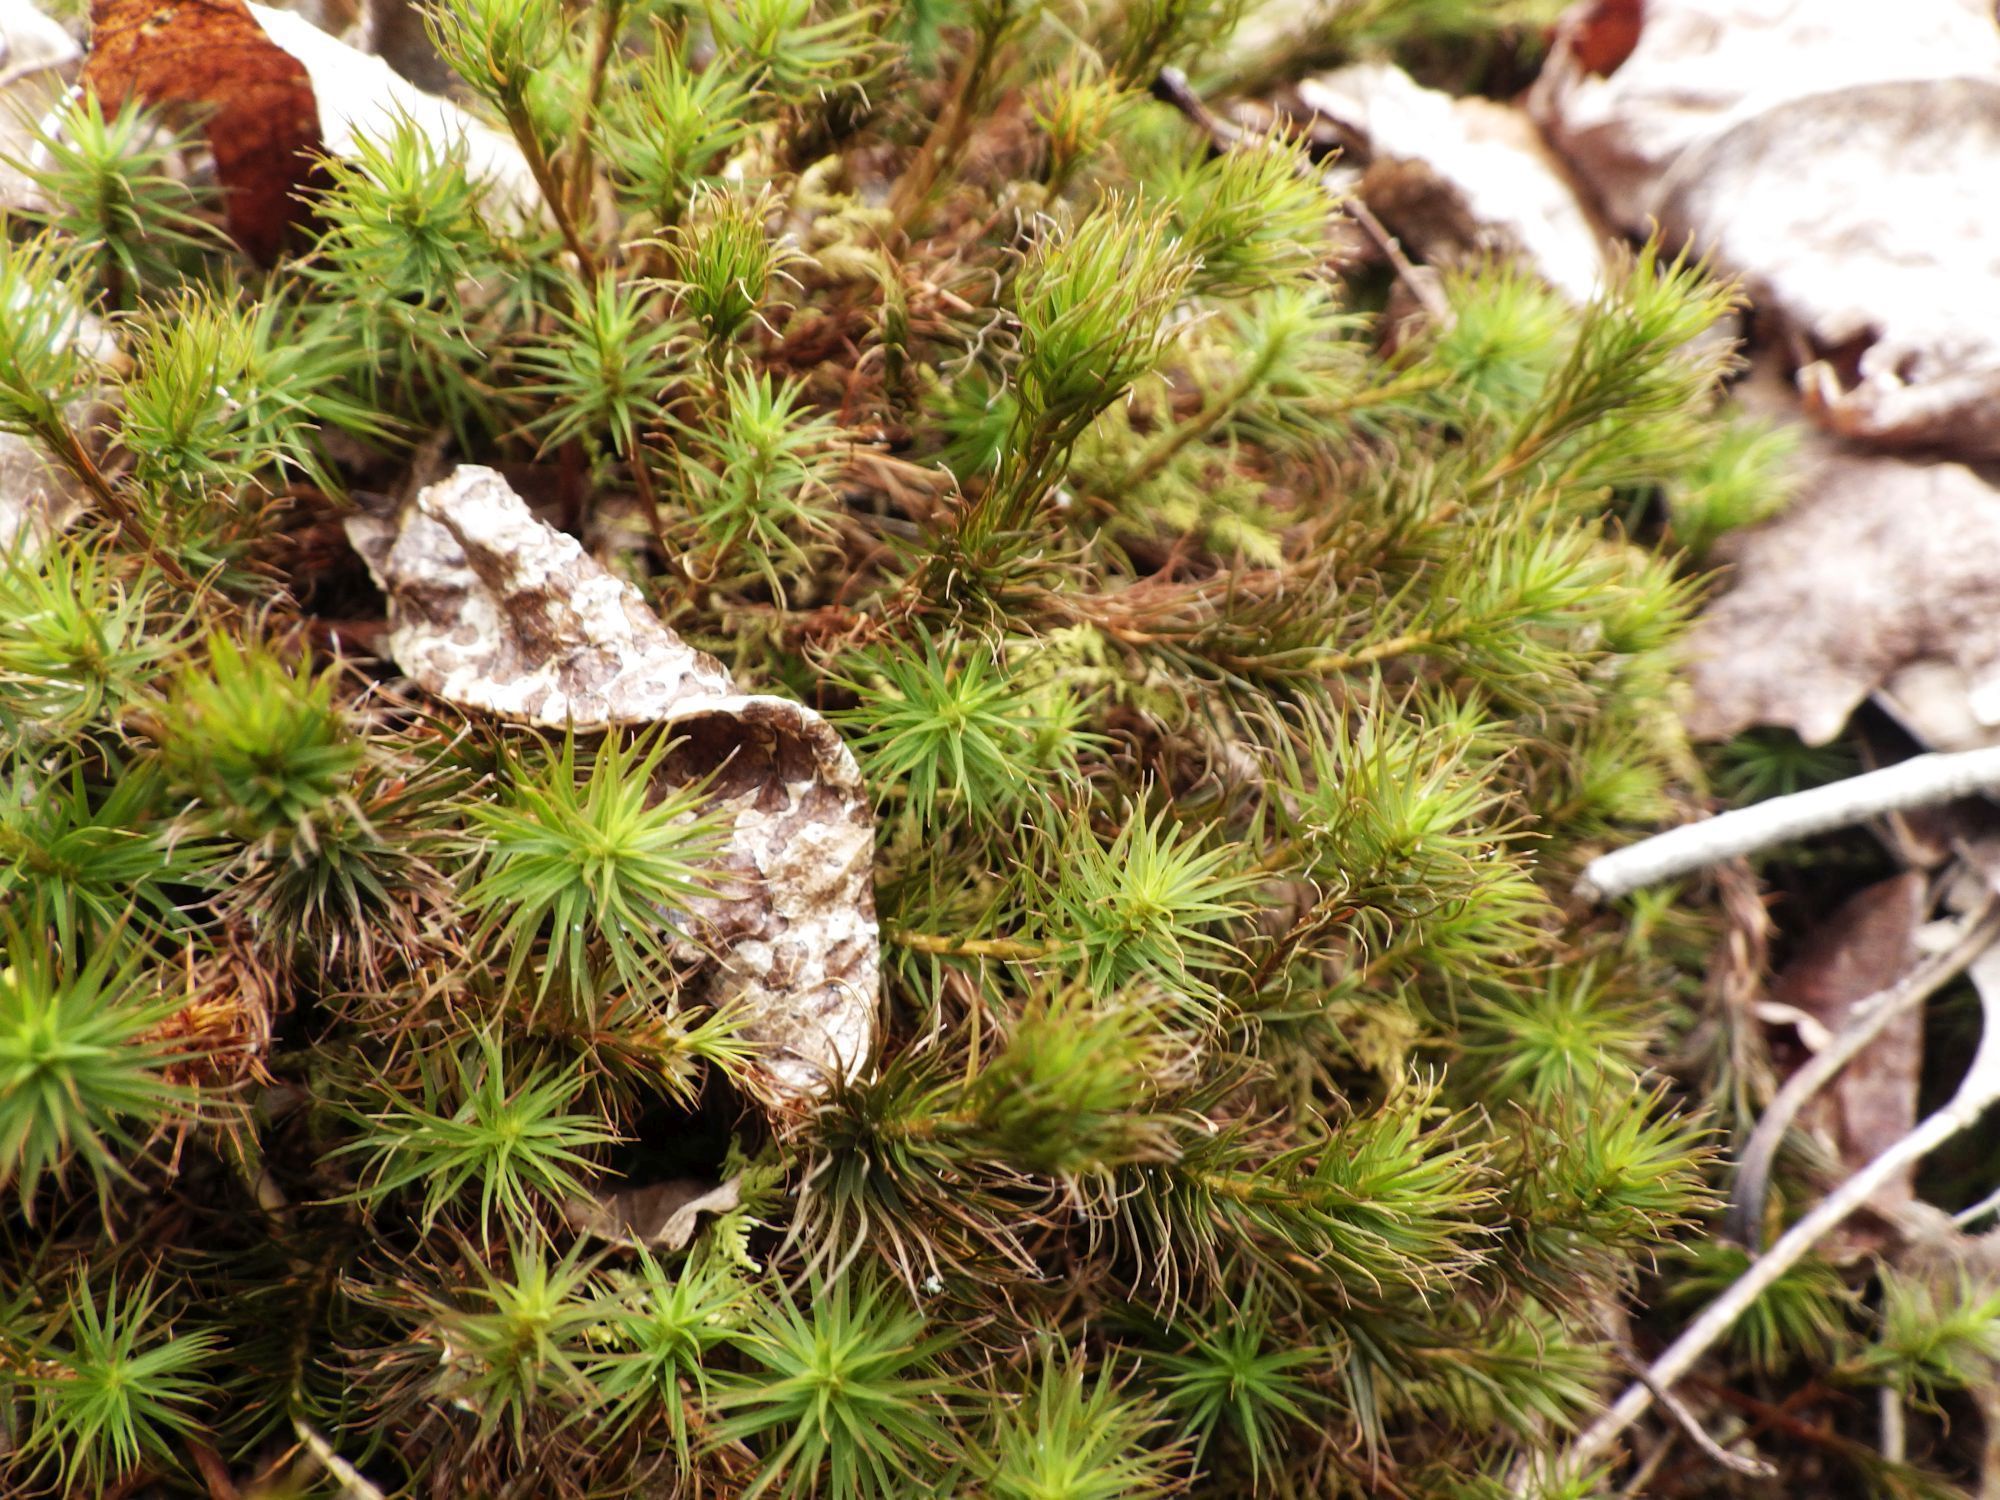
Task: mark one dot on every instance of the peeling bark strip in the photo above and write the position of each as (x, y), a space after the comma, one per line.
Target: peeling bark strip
(491, 609)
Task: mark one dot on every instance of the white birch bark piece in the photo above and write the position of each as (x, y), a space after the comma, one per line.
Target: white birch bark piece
(361, 95)
(492, 610)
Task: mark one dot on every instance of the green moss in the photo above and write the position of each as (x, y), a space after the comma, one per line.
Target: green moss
(1236, 701)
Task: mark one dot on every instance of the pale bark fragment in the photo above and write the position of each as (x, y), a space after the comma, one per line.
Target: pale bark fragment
(492, 610)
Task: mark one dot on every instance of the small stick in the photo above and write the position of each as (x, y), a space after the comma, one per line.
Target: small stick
(1865, 1022)
(1755, 1468)
(1980, 1089)
(354, 1485)
(1171, 87)
(1895, 1429)
(1422, 287)
(1924, 781)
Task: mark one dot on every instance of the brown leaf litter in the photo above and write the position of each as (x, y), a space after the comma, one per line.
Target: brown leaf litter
(1842, 161)
(1864, 947)
(658, 1216)
(1883, 568)
(1459, 180)
(276, 92)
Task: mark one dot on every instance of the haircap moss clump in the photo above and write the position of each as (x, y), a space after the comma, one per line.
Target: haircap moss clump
(1233, 689)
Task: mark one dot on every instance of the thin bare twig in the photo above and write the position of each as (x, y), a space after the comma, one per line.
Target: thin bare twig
(1924, 781)
(1864, 1023)
(354, 1485)
(1980, 1089)
(1423, 288)
(1171, 86)
(1755, 1468)
(1895, 1430)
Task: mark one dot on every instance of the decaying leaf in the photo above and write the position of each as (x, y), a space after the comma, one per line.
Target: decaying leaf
(492, 610)
(659, 1216)
(1865, 946)
(278, 91)
(1880, 566)
(255, 99)
(1600, 34)
(1698, 68)
(1460, 180)
(1845, 164)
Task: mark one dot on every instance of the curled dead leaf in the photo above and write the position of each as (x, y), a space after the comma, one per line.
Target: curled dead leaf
(277, 92)
(494, 611)
(658, 1216)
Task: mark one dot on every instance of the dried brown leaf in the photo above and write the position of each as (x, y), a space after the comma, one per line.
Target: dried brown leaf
(492, 610)
(1880, 566)
(1844, 165)
(1602, 33)
(658, 1216)
(1868, 944)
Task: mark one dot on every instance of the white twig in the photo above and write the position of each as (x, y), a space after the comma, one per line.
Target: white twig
(1895, 1430)
(1865, 1022)
(1924, 781)
(354, 1485)
(1980, 1089)
(1989, 1204)
(1755, 1468)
